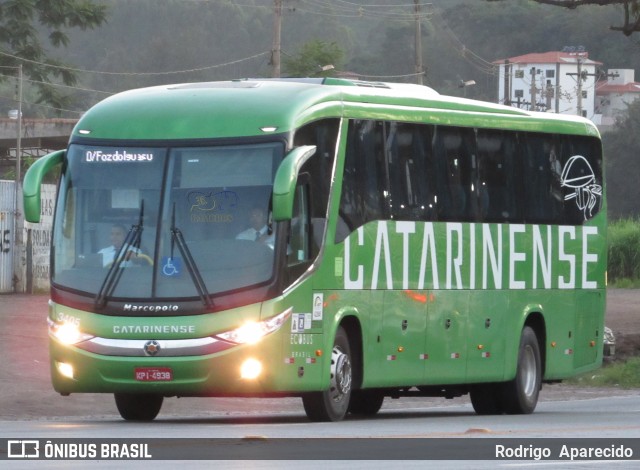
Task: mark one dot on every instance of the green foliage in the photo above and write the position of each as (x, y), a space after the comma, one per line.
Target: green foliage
(625, 283)
(26, 162)
(623, 172)
(151, 42)
(23, 23)
(620, 374)
(624, 250)
(313, 59)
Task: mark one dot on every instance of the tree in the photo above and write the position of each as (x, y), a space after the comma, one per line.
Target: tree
(623, 172)
(315, 59)
(631, 8)
(23, 24)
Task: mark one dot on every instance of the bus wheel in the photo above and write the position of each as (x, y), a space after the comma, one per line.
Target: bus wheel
(138, 407)
(365, 402)
(521, 394)
(332, 404)
(487, 399)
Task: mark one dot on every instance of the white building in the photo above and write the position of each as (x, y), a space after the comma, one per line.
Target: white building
(556, 82)
(614, 95)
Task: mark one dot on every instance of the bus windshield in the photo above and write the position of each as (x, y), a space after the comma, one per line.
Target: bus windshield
(160, 223)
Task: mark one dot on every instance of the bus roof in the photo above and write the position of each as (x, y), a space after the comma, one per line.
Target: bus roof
(258, 107)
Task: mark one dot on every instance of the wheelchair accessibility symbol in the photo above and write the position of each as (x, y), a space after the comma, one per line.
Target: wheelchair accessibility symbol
(171, 266)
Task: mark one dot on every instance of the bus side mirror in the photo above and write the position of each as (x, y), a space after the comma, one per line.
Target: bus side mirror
(32, 181)
(284, 184)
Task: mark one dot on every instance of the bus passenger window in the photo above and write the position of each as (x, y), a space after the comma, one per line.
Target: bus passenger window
(580, 179)
(454, 174)
(536, 181)
(457, 196)
(495, 176)
(363, 181)
(408, 176)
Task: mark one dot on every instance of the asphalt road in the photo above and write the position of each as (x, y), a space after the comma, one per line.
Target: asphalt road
(396, 438)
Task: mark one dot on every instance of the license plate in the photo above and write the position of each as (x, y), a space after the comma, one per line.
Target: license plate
(153, 374)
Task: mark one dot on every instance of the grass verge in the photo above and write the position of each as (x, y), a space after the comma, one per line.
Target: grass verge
(618, 374)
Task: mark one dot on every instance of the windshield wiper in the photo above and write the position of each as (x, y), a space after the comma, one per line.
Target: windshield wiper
(133, 239)
(194, 272)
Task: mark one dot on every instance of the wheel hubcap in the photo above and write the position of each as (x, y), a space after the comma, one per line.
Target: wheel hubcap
(529, 372)
(340, 374)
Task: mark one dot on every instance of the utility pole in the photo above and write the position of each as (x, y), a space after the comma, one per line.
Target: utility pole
(19, 136)
(533, 89)
(18, 224)
(276, 46)
(581, 76)
(507, 86)
(419, 69)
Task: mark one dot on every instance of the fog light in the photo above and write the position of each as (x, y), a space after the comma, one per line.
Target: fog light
(65, 369)
(251, 369)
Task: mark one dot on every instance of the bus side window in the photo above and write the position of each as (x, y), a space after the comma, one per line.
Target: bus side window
(323, 134)
(454, 173)
(363, 181)
(350, 199)
(409, 182)
(536, 181)
(300, 237)
(495, 175)
(372, 162)
(576, 181)
(581, 179)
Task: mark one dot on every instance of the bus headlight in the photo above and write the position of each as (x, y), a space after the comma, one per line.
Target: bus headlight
(252, 332)
(67, 333)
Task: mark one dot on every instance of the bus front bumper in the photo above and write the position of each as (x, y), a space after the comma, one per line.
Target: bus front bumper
(247, 370)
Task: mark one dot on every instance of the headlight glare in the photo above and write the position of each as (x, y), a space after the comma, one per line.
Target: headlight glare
(67, 333)
(252, 332)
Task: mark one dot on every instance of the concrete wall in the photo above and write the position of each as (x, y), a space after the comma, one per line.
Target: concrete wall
(24, 247)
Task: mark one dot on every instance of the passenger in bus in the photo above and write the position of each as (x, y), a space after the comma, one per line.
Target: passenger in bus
(117, 236)
(259, 231)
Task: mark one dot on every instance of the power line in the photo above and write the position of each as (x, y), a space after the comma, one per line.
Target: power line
(352, 10)
(72, 69)
(467, 54)
(61, 85)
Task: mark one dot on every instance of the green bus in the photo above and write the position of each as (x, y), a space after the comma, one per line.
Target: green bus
(335, 240)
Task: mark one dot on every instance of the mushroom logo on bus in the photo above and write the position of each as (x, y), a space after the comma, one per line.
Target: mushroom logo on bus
(578, 174)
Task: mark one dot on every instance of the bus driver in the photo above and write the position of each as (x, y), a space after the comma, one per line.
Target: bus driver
(259, 230)
(117, 236)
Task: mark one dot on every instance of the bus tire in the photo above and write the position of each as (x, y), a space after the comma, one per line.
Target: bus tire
(332, 404)
(138, 407)
(365, 402)
(521, 394)
(486, 399)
